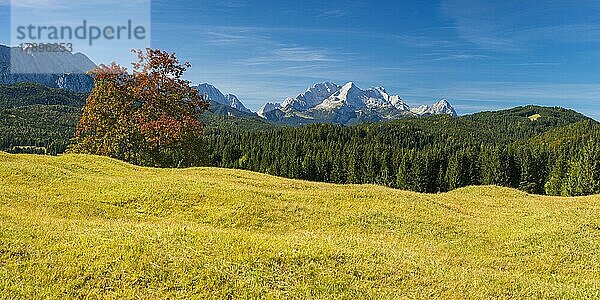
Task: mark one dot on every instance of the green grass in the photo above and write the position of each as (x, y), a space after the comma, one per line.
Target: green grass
(83, 226)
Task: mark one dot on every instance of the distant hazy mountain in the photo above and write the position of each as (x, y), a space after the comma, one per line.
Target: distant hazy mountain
(442, 107)
(53, 69)
(216, 95)
(348, 104)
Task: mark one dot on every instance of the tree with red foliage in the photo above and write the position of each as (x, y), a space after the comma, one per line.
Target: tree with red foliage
(148, 117)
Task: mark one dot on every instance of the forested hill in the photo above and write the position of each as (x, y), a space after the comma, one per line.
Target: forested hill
(26, 94)
(513, 148)
(537, 149)
(42, 120)
(488, 127)
(37, 119)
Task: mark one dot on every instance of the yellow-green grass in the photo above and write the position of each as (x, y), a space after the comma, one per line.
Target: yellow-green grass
(535, 117)
(84, 226)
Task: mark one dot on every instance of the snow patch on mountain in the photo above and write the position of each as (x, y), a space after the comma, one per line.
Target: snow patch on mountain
(267, 108)
(398, 103)
(420, 110)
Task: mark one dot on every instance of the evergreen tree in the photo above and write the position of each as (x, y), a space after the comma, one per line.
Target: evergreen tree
(584, 172)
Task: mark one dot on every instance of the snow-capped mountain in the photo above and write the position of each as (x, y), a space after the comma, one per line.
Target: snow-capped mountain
(442, 107)
(236, 103)
(420, 110)
(331, 103)
(353, 97)
(267, 108)
(53, 69)
(214, 94)
(312, 97)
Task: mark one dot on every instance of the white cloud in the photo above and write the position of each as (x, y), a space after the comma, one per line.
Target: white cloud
(260, 49)
(332, 13)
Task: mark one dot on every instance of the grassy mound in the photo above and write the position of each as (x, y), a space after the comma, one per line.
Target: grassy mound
(84, 226)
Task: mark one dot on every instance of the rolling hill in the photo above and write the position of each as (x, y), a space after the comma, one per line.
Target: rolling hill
(512, 148)
(38, 119)
(92, 227)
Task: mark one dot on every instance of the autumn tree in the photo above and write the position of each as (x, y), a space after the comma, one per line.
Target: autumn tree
(148, 117)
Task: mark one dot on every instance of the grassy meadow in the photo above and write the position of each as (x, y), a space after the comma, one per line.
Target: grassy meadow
(92, 227)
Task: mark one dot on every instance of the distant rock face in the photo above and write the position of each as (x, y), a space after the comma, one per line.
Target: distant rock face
(28, 62)
(75, 82)
(267, 108)
(52, 69)
(348, 104)
(214, 94)
(236, 103)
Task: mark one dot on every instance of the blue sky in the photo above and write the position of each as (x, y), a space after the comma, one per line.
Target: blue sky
(479, 54)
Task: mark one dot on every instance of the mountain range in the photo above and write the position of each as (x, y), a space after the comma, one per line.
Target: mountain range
(322, 103)
(214, 94)
(63, 70)
(348, 104)
(332, 103)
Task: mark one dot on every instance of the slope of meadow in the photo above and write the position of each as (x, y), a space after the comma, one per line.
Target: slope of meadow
(77, 226)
